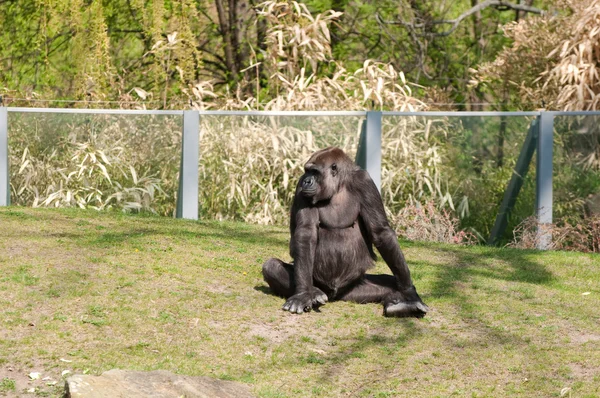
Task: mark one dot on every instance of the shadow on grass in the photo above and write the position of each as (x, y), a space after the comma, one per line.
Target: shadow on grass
(121, 236)
(210, 231)
(446, 281)
(510, 265)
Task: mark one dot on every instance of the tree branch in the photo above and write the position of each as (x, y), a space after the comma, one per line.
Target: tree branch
(498, 4)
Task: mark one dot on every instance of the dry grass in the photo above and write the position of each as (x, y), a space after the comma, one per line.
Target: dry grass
(86, 292)
(95, 161)
(249, 165)
(577, 74)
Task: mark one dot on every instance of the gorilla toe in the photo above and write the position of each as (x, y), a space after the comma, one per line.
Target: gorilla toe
(413, 309)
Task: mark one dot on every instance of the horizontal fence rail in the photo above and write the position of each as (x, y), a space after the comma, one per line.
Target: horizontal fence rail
(94, 111)
(368, 156)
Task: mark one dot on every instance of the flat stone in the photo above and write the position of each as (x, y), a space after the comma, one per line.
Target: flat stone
(117, 383)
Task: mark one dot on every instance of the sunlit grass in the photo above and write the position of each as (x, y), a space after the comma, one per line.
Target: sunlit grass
(87, 292)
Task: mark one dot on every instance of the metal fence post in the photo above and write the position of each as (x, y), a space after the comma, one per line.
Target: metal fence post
(4, 171)
(373, 147)
(543, 192)
(516, 182)
(187, 194)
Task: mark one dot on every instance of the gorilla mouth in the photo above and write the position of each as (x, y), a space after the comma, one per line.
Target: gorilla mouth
(309, 192)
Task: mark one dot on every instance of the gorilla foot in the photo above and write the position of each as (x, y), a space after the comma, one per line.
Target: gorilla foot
(411, 309)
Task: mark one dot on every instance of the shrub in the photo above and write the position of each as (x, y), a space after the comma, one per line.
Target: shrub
(582, 236)
(427, 223)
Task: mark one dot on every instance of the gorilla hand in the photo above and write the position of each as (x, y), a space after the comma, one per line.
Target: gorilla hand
(305, 301)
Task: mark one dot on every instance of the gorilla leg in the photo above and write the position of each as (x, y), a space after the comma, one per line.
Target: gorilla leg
(370, 289)
(383, 288)
(280, 277)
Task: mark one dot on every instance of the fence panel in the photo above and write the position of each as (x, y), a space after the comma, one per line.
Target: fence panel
(187, 194)
(101, 160)
(463, 161)
(251, 162)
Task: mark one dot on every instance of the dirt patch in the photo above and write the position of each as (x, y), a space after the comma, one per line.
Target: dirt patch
(582, 337)
(33, 380)
(584, 371)
(279, 331)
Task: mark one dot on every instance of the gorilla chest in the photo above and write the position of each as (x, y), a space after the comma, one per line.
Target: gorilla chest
(342, 254)
(340, 212)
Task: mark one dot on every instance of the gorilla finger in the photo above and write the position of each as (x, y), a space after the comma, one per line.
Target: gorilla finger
(293, 307)
(422, 307)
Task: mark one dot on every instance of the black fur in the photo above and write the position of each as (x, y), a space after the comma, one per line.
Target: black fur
(337, 216)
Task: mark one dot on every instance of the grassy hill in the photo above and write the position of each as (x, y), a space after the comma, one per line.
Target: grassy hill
(87, 292)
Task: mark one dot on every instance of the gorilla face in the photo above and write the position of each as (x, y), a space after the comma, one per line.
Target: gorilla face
(321, 179)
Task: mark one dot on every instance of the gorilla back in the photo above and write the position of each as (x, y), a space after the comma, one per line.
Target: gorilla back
(337, 216)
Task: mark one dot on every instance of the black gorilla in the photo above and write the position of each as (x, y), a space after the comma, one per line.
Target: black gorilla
(337, 216)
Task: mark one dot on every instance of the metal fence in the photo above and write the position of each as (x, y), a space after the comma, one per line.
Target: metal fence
(524, 133)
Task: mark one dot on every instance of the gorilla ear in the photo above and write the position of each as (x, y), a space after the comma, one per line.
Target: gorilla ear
(334, 169)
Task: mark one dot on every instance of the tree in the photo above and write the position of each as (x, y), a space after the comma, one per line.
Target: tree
(552, 62)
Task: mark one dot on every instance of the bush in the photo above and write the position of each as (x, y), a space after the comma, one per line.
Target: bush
(426, 223)
(582, 236)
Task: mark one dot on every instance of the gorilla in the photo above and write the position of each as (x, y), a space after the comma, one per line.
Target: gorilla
(337, 216)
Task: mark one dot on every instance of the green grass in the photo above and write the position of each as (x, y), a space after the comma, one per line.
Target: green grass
(7, 385)
(87, 292)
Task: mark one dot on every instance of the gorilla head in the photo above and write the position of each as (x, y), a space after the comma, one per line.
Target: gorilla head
(324, 173)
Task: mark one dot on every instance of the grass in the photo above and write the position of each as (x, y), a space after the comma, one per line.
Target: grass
(88, 292)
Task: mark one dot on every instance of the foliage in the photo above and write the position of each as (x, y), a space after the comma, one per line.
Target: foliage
(506, 79)
(576, 75)
(559, 49)
(97, 161)
(93, 53)
(298, 47)
(411, 36)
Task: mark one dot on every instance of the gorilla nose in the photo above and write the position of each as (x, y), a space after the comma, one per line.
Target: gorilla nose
(308, 182)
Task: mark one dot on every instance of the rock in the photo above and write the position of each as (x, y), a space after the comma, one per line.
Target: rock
(156, 384)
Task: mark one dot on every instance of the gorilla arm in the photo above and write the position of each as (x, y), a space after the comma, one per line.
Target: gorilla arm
(305, 220)
(382, 235)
